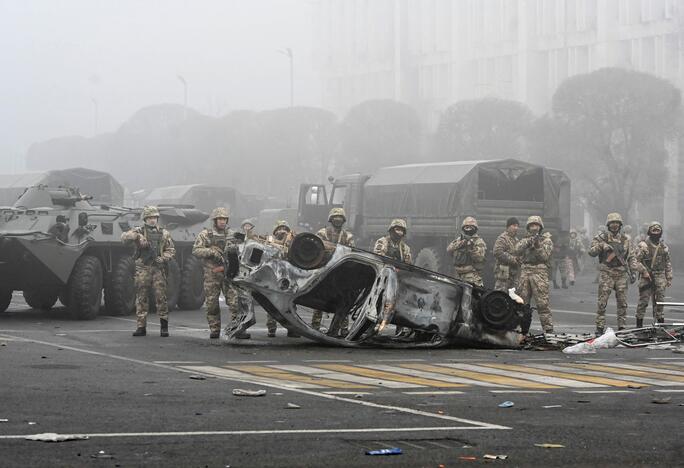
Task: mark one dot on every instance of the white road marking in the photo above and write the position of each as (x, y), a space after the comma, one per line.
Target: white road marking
(271, 432)
(280, 386)
(329, 374)
(558, 381)
(400, 360)
(348, 393)
(234, 374)
(518, 391)
(327, 360)
(178, 362)
(669, 390)
(433, 376)
(609, 375)
(656, 370)
(603, 391)
(667, 359)
(249, 362)
(437, 392)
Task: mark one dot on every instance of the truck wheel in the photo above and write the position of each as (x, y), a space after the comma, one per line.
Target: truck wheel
(84, 289)
(192, 284)
(119, 293)
(5, 299)
(40, 299)
(173, 282)
(429, 259)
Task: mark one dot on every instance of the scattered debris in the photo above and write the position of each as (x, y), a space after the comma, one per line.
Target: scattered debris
(54, 437)
(552, 406)
(662, 346)
(678, 350)
(495, 457)
(635, 386)
(148, 394)
(506, 404)
(583, 401)
(60, 334)
(549, 445)
(4, 420)
(103, 455)
(292, 406)
(607, 340)
(358, 395)
(662, 401)
(468, 458)
(253, 393)
(387, 451)
(198, 377)
(32, 423)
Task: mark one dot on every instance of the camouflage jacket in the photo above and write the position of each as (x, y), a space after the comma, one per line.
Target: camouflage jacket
(331, 234)
(506, 260)
(159, 239)
(386, 247)
(534, 251)
(469, 253)
(655, 258)
(210, 245)
(576, 247)
(604, 244)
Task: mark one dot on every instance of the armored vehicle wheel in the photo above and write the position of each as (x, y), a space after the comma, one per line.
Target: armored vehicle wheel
(429, 259)
(41, 299)
(5, 299)
(119, 293)
(192, 284)
(84, 290)
(173, 283)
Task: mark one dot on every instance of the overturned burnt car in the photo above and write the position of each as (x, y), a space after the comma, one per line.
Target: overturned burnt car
(372, 292)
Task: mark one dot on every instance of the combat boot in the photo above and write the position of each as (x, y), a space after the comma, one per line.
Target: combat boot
(640, 323)
(164, 330)
(140, 331)
(564, 285)
(214, 334)
(572, 283)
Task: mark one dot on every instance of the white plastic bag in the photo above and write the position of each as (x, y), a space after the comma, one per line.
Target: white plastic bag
(607, 340)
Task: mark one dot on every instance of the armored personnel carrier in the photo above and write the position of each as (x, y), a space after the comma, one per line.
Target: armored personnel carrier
(55, 244)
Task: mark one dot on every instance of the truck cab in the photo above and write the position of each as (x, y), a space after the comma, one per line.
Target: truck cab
(316, 201)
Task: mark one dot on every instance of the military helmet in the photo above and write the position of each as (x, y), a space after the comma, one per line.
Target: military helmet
(247, 221)
(613, 218)
(149, 212)
(400, 223)
(219, 212)
(653, 224)
(535, 220)
(337, 212)
(281, 223)
(469, 221)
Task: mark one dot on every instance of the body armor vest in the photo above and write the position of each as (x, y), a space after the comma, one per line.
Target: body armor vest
(394, 251)
(659, 261)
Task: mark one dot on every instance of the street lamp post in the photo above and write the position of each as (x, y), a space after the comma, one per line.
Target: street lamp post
(185, 97)
(290, 55)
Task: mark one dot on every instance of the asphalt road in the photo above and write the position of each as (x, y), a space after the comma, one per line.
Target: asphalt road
(168, 401)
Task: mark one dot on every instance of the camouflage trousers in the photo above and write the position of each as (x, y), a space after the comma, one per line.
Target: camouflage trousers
(150, 280)
(534, 284)
(506, 277)
(471, 276)
(654, 292)
(317, 317)
(559, 264)
(214, 284)
(612, 280)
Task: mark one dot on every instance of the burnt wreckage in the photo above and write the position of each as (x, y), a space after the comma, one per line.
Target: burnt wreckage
(373, 292)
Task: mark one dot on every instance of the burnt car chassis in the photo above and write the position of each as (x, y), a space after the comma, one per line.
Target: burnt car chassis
(373, 292)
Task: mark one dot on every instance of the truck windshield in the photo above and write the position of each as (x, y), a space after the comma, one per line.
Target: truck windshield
(338, 195)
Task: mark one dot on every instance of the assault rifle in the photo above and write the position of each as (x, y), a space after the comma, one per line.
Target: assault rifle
(617, 254)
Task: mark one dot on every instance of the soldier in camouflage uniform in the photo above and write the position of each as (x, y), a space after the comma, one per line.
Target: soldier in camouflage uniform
(210, 246)
(469, 252)
(535, 251)
(559, 263)
(576, 250)
(283, 235)
(336, 234)
(393, 244)
(654, 255)
(247, 227)
(616, 260)
(507, 267)
(153, 250)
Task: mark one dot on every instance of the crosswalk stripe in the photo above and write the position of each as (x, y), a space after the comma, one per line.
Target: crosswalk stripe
(635, 380)
(323, 373)
(676, 363)
(535, 376)
(648, 368)
(433, 375)
(278, 374)
(577, 376)
(496, 379)
(662, 379)
(233, 374)
(388, 375)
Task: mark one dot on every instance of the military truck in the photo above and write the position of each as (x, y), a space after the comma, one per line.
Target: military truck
(435, 197)
(54, 243)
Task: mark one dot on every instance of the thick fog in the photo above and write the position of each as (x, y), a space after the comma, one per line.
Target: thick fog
(63, 59)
